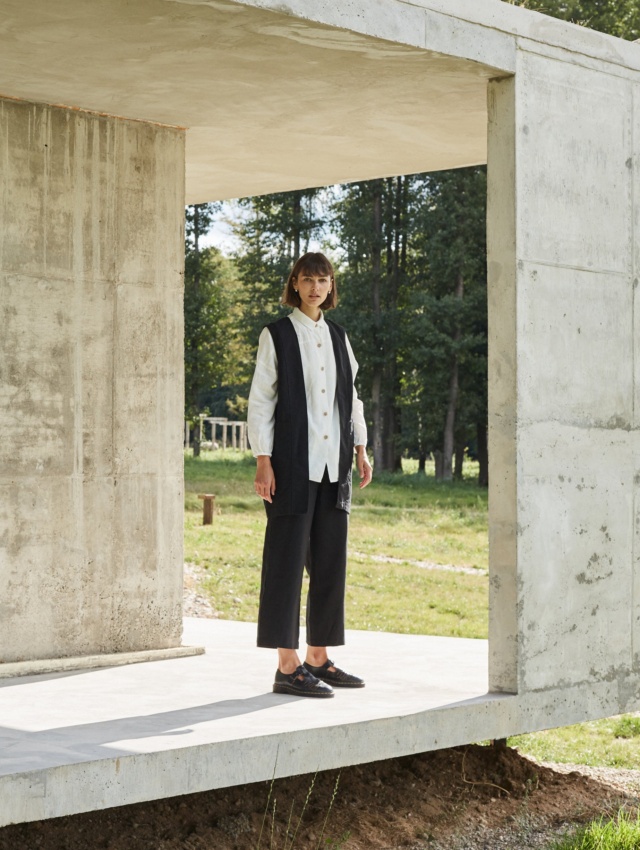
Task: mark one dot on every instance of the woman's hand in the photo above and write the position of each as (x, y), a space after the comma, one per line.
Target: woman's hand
(365, 470)
(265, 480)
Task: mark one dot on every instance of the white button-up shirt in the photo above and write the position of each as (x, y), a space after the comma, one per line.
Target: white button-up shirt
(320, 381)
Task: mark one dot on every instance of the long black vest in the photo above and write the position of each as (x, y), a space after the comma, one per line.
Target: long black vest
(290, 456)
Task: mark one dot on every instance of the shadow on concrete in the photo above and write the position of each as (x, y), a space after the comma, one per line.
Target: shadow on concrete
(89, 741)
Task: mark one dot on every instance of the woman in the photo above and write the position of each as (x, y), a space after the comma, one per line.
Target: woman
(304, 419)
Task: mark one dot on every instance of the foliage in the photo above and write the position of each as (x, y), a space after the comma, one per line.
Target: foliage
(273, 232)
(407, 243)
(620, 833)
(413, 298)
(215, 353)
(445, 365)
(615, 17)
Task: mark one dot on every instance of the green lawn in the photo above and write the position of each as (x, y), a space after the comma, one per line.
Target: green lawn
(397, 524)
(614, 742)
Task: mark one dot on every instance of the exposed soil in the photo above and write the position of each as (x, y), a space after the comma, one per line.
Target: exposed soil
(467, 797)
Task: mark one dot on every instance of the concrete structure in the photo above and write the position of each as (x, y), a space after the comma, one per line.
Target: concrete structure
(278, 96)
(130, 734)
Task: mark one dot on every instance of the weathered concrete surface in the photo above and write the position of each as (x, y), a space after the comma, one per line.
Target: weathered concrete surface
(284, 95)
(91, 259)
(265, 95)
(563, 249)
(108, 737)
(44, 666)
(278, 96)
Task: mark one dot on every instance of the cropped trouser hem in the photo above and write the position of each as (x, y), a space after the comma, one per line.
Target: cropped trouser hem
(317, 540)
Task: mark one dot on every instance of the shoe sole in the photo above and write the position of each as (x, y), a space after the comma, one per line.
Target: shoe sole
(341, 684)
(296, 692)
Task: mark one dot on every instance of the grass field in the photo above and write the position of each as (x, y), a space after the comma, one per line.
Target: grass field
(399, 525)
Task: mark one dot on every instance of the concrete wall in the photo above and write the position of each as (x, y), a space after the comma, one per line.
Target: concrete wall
(91, 387)
(565, 347)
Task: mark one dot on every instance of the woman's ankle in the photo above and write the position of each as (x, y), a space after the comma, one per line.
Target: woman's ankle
(316, 656)
(288, 661)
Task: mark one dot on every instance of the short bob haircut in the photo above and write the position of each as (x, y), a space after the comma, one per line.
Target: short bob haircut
(315, 264)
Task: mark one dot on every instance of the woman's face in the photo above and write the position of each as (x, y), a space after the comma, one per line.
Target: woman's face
(312, 289)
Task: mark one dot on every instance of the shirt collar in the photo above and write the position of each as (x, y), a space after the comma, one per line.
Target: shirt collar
(299, 316)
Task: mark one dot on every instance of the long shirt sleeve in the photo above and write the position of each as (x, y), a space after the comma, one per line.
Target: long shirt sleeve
(263, 397)
(319, 369)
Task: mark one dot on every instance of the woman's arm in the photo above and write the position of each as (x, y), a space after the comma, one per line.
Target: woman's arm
(261, 415)
(359, 427)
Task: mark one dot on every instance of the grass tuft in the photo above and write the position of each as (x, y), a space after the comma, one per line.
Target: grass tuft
(620, 833)
(627, 726)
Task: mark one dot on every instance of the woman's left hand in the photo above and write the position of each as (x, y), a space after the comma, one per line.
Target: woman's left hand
(365, 470)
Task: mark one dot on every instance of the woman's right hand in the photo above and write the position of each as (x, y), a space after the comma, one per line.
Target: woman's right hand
(265, 480)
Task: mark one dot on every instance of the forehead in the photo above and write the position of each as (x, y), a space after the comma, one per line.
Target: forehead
(314, 272)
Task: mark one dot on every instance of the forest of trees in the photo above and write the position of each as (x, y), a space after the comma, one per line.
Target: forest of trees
(411, 271)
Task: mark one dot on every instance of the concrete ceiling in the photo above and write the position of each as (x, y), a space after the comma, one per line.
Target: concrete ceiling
(270, 102)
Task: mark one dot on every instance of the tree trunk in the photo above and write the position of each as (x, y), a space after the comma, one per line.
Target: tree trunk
(392, 389)
(378, 362)
(459, 452)
(483, 454)
(297, 218)
(438, 458)
(422, 461)
(450, 422)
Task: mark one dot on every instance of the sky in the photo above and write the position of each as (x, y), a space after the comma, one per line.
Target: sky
(221, 234)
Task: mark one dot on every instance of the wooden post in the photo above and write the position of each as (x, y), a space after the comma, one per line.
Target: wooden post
(224, 434)
(207, 512)
(234, 431)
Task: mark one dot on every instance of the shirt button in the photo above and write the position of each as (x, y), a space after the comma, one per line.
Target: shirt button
(326, 437)
(319, 345)
(322, 368)
(322, 391)
(325, 413)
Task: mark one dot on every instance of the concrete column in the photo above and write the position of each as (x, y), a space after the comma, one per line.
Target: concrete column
(501, 289)
(577, 372)
(91, 383)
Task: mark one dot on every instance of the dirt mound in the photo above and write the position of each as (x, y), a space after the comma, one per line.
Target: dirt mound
(424, 801)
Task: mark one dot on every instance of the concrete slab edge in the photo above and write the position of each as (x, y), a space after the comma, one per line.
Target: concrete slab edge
(134, 778)
(87, 662)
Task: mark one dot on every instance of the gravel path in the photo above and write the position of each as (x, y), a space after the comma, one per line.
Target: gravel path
(194, 603)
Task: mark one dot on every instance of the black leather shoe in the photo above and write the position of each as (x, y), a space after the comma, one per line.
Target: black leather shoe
(337, 678)
(301, 683)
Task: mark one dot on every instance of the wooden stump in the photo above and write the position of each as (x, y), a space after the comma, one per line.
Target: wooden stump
(207, 512)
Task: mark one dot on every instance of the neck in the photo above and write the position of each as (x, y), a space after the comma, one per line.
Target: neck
(313, 313)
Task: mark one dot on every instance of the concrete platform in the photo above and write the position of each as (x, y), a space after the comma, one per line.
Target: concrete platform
(93, 739)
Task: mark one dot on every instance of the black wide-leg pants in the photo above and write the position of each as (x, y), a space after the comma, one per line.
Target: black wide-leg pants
(317, 540)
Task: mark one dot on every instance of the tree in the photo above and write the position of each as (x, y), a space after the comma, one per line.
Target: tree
(615, 17)
(212, 313)
(445, 361)
(274, 231)
(372, 221)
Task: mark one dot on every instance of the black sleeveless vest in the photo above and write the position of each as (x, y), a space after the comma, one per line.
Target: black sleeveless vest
(290, 456)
